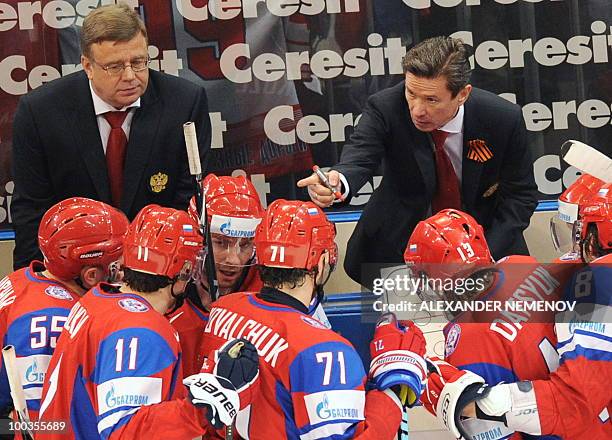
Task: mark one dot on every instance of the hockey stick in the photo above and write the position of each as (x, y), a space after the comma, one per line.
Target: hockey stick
(233, 352)
(14, 379)
(587, 159)
(195, 169)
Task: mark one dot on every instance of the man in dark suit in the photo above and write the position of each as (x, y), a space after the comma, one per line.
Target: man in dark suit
(112, 132)
(443, 144)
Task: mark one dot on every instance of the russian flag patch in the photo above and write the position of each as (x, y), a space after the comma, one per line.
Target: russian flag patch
(313, 211)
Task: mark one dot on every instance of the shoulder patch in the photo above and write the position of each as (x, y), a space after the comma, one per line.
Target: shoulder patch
(452, 339)
(58, 292)
(133, 305)
(313, 322)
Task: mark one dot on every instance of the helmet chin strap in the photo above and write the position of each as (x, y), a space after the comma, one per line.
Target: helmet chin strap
(179, 298)
(79, 283)
(318, 292)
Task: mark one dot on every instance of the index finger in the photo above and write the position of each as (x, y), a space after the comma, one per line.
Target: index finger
(313, 179)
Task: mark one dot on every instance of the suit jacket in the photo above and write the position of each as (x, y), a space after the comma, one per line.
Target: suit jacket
(57, 151)
(499, 192)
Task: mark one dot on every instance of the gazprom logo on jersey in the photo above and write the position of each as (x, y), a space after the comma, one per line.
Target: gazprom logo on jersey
(597, 327)
(335, 405)
(33, 369)
(234, 226)
(324, 411)
(323, 408)
(128, 391)
(113, 400)
(33, 374)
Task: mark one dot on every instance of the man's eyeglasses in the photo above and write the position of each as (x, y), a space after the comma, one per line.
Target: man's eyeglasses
(137, 65)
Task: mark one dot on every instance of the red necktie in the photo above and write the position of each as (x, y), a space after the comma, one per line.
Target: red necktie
(115, 154)
(447, 194)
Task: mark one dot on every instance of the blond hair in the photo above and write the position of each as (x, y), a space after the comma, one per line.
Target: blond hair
(116, 22)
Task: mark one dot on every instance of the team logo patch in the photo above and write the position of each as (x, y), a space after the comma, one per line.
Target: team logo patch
(452, 339)
(158, 182)
(479, 151)
(133, 305)
(490, 191)
(58, 293)
(313, 322)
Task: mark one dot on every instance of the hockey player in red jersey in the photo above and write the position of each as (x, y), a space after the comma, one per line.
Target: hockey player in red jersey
(233, 212)
(116, 370)
(312, 379)
(574, 402)
(511, 347)
(80, 239)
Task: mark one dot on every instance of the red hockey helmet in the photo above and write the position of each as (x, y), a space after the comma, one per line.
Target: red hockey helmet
(162, 241)
(597, 211)
(449, 237)
(80, 232)
(583, 188)
(294, 234)
(561, 226)
(232, 205)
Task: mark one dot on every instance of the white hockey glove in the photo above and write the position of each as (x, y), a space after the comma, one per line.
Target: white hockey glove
(514, 405)
(448, 391)
(216, 394)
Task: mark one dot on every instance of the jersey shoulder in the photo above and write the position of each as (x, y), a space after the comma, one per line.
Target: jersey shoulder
(606, 259)
(591, 283)
(24, 294)
(26, 284)
(252, 282)
(188, 317)
(113, 311)
(298, 329)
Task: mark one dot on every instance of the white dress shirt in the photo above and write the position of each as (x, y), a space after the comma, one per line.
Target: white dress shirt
(101, 107)
(453, 145)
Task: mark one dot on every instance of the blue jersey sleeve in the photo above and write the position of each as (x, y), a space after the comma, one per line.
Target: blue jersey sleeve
(586, 331)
